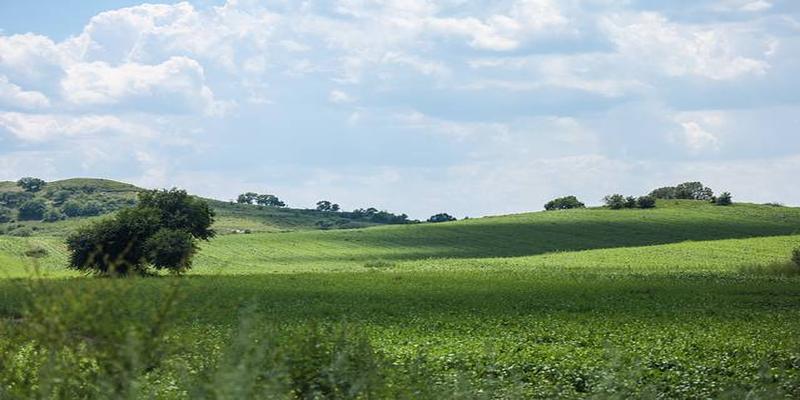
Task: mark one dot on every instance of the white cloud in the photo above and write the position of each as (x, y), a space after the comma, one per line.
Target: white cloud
(42, 127)
(340, 97)
(697, 139)
(650, 40)
(12, 96)
(178, 84)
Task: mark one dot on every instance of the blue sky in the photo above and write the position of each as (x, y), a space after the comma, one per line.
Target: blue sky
(468, 107)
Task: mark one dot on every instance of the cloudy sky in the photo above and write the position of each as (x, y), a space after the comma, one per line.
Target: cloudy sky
(469, 107)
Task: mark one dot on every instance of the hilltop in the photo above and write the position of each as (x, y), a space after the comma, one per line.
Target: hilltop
(79, 199)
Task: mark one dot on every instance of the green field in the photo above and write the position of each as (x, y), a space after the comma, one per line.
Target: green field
(688, 300)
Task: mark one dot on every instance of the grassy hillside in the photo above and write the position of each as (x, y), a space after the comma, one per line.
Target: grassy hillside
(688, 300)
(109, 196)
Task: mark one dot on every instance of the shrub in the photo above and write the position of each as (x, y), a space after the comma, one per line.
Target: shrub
(59, 197)
(32, 210)
(22, 231)
(325, 205)
(379, 264)
(6, 215)
(564, 203)
(725, 199)
(615, 201)
(666, 193)
(14, 199)
(442, 217)
(630, 202)
(646, 202)
(52, 215)
(91, 208)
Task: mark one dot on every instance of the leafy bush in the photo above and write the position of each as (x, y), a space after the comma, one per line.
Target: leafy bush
(160, 231)
(564, 203)
(443, 217)
(14, 199)
(30, 184)
(615, 201)
(6, 215)
(32, 210)
(325, 205)
(725, 199)
(665, 193)
(269, 200)
(645, 202)
(52, 215)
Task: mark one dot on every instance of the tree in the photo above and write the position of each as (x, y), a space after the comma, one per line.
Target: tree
(725, 199)
(269, 200)
(247, 198)
(564, 203)
(630, 202)
(615, 201)
(30, 184)
(325, 205)
(693, 191)
(72, 208)
(443, 217)
(14, 199)
(32, 210)
(646, 202)
(6, 215)
(161, 231)
(666, 193)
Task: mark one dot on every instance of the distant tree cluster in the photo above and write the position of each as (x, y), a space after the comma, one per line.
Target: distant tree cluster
(267, 200)
(327, 206)
(376, 216)
(618, 202)
(442, 217)
(692, 191)
(564, 203)
(160, 232)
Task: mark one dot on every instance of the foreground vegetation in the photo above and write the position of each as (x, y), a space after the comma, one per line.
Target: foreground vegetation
(687, 300)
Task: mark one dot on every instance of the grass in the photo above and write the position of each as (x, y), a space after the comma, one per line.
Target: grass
(684, 301)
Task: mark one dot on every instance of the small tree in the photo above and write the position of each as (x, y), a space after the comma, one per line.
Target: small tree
(32, 210)
(247, 198)
(725, 199)
(666, 193)
(615, 201)
(269, 200)
(325, 205)
(646, 202)
(630, 202)
(160, 231)
(443, 217)
(564, 203)
(30, 184)
(693, 191)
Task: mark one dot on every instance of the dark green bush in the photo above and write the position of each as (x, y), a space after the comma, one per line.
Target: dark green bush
(443, 217)
(52, 215)
(630, 202)
(14, 199)
(564, 203)
(32, 210)
(22, 231)
(615, 201)
(30, 184)
(646, 202)
(72, 208)
(725, 199)
(796, 257)
(666, 193)
(6, 215)
(171, 249)
(36, 252)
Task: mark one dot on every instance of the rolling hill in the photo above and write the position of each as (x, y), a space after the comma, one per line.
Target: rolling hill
(687, 300)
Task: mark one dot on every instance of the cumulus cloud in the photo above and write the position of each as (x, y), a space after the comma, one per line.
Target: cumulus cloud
(12, 96)
(42, 127)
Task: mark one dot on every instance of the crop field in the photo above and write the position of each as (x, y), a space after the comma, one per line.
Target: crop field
(684, 301)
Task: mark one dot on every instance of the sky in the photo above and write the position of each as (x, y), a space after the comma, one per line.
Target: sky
(468, 107)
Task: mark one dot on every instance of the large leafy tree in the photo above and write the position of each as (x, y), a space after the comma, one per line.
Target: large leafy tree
(564, 203)
(160, 232)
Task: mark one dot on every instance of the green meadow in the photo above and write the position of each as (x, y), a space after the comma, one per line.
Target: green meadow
(688, 300)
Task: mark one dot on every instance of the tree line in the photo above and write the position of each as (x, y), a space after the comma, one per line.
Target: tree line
(684, 191)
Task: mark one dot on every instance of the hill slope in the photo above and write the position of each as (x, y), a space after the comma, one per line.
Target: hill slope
(102, 196)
